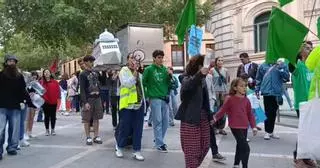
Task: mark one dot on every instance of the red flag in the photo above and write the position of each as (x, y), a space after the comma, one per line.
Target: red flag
(53, 68)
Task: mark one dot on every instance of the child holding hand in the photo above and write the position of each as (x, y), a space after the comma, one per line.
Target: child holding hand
(238, 108)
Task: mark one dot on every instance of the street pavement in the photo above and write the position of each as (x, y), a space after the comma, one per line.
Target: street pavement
(68, 150)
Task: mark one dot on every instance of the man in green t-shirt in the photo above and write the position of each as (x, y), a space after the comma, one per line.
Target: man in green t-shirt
(156, 80)
(301, 77)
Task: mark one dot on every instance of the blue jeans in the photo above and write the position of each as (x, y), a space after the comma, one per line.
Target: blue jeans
(75, 103)
(173, 107)
(131, 124)
(150, 116)
(22, 122)
(286, 94)
(160, 120)
(12, 116)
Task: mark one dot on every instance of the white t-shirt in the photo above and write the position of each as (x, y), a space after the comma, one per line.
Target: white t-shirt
(246, 67)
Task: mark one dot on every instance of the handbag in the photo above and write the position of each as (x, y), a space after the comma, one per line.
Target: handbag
(260, 115)
(221, 79)
(308, 132)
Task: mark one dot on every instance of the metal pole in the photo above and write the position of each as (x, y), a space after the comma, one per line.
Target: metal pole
(187, 41)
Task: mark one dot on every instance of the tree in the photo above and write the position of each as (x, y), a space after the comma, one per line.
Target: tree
(33, 56)
(53, 23)
(39, 31)
(6, 28)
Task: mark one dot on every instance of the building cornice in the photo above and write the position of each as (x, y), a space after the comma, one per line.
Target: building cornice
(308, 13)
(256, 10)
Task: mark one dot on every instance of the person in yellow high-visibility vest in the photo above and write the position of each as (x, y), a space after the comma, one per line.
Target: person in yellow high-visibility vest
(131, 106)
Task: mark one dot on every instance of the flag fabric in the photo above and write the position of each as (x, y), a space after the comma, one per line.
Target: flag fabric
(318, 27)
(285, 37)
(187, 19)
(284, 2)
(54, 66)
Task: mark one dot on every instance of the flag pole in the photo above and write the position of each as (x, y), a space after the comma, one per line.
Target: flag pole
(186, 37)
(313, 8)
(187, 46)
(313, 33)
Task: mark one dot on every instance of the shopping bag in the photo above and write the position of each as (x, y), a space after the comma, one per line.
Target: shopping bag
(309, 132)
(259, 115)
(37, 100)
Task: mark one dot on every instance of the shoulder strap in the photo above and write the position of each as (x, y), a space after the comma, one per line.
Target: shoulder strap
(218, 71)
(269, 70)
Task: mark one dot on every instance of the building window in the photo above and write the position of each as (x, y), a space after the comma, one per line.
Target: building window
(177, 55)
(211, 46)
(261, 32)
(69, 68)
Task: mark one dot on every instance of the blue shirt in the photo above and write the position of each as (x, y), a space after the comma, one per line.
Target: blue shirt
(270, 81)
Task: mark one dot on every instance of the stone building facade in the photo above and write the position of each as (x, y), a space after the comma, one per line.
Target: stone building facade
(242, 25)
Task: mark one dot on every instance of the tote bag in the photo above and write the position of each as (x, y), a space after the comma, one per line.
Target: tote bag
(309, 132)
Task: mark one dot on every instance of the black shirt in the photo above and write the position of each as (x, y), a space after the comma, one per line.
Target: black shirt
(12, 91)
(64, 84)
(89, 83)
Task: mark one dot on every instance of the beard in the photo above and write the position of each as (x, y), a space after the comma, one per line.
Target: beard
(11, 71)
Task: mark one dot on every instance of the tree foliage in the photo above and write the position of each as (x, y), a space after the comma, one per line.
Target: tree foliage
(54, 27)
(32, 55)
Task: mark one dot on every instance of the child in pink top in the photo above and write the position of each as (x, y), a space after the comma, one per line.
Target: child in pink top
(238, 108)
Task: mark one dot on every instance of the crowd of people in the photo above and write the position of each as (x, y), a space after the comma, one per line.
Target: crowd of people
(208, 98)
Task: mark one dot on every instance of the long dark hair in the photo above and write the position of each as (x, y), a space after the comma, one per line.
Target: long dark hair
(34, 73)
(194, 64)
(11, 71)
(43, 76)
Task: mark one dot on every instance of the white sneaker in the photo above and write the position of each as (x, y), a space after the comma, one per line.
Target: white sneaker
(66, 113)
(138, 156)
(24, 143)
(26, 137)
(274, 136)
(119, 153)
(266, 136)
(47, 133)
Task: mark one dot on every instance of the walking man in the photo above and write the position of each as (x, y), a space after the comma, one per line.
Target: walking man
(270, 78)
(90, 98)
(12, 101)
(156, 80)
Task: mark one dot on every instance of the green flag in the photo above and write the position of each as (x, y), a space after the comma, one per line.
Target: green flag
(318, 27)
(187, 19)
(284, 2)
(285, 36)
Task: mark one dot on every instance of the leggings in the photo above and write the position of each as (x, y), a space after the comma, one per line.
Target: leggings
(243, 149)
(49, 115)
